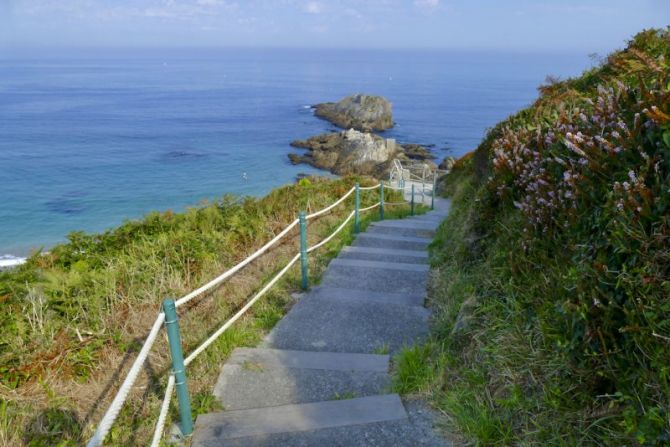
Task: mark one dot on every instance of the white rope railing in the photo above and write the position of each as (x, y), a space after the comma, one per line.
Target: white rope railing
(367, 188)
(121, 395)
(332, 235)
(369, 208)
(219, 279)
(325, 210)
(115, 407)
(239, 313)
(162, 416)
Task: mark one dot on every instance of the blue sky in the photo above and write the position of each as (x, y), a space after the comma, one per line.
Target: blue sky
(586, 25)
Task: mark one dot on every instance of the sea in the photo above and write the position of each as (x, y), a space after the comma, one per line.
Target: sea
(90, 138)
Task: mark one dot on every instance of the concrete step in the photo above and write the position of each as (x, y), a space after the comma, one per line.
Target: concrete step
(377, 278)
(254, 378)
(390, 241)
(385, 265)
(416, 431)
(408, 222)
(216, 428)
(384, 254)
(412, 229)
(339, 293)
(319, 323)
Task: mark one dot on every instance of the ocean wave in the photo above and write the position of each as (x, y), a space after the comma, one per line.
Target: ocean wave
(10, 261)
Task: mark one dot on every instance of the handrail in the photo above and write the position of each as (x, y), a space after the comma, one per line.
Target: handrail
(219, 279)
(121, 395)
(328, 208)
(239, 313)
(119, 399)
(323, 242)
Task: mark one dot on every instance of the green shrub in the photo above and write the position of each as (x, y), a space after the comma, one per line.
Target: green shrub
(560, 229)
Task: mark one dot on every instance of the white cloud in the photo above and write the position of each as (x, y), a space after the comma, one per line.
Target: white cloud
(426, 4)
(314, 8)
(351, 12)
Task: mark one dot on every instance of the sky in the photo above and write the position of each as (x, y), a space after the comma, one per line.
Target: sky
(584, 25)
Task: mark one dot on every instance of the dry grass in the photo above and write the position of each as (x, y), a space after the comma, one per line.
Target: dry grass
(58, 405)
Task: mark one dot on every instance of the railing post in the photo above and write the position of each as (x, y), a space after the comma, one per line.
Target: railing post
(432, 193)
(178, 368)
(412, 207)
(303, 250)
(381, 201)
(357, 205)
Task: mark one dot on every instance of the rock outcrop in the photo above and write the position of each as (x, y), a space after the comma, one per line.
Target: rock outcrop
(447, 163)
(361, 112)
(354, 152)
(347, 152)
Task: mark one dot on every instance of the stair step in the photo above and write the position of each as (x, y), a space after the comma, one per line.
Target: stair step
(318, 323)
(255, 378)
(334, 361)
(213, 428)
(375, 279)
(412, 229)
(339, 293)
(367, 264)
(384, 254)
(389, 241)
(408, 223)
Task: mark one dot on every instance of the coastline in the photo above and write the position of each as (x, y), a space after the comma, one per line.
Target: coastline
(10, 261)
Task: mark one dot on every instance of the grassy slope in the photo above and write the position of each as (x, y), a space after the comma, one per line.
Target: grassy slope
(72, 320)
(552, 283)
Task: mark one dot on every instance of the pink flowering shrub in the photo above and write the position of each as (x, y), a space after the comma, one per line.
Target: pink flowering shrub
(578, 188)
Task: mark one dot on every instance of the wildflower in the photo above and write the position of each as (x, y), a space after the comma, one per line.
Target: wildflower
(631, 176)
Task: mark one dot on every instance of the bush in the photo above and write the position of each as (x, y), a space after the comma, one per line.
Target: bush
(570, 225)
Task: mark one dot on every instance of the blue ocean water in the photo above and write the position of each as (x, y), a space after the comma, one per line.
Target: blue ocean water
(89, 139)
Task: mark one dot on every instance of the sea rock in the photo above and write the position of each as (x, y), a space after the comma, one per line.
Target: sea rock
(361, 112)
(347, 152)
(417, 152)
(447, 163)
(355, 152)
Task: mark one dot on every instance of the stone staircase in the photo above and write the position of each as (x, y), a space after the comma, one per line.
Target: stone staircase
(321, 377)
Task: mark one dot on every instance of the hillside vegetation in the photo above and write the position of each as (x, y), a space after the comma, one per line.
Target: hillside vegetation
(73, 319)
(552, 273)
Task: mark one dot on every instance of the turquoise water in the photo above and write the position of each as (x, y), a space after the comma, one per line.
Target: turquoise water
(90, 139)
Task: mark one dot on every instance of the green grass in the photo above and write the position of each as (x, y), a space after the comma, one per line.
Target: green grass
(549, 323)
(79, 314)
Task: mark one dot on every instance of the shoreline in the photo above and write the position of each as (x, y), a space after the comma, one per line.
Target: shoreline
(11, 261)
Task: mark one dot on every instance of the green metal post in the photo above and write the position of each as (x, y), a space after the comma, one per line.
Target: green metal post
(303, 250)
(412, 211)
(357, 205)
(178, 368)
(381, 201)
(432, 193)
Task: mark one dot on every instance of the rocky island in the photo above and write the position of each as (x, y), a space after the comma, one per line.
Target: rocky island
(361, 112)
(357, 150)
(354, 152)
